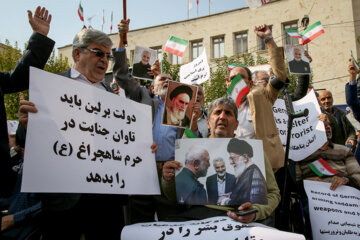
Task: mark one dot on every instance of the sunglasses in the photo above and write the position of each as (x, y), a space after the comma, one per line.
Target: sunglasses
(100, 53)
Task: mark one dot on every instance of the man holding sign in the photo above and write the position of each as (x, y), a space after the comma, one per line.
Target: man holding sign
(65, 215)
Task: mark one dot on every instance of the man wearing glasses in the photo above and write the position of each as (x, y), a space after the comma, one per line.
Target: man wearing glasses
(256, 119)
(261, 77)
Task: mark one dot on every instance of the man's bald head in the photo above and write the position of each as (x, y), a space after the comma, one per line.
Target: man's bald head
(326, 99)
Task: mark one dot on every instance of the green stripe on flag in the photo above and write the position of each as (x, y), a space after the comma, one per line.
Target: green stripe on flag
(235, 81)
(291, 31)
(178, 40)
(315, 170)
(311, 28)
(189, 133)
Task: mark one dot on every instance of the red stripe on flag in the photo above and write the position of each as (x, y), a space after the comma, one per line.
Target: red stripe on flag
(241, 94)
(312, 37)
(173, 51)
(81, 18)
(327, 166)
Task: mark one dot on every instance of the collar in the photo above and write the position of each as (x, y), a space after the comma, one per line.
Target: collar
(74, 74)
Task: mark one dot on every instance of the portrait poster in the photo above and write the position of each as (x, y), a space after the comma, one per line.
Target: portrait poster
(297, 61)
(179, 102)
(143, 59)
(238, 164)
(86, 140)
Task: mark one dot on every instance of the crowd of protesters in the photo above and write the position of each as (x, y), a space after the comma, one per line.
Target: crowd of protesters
(102, 216)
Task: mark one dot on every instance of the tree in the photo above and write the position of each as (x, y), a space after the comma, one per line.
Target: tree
(8, 59)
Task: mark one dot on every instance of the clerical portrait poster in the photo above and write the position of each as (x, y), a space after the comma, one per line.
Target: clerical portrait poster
(298, 62)
(143, 59)
(220, 171)
(179, 102)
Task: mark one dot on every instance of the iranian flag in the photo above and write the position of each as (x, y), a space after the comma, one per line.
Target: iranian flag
(238, 89)
(176, 46)
(81, 12)
(293, 33)
(321, 168)
(232, 65)
(312, 32)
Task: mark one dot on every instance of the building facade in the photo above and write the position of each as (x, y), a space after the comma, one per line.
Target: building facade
(229, 33)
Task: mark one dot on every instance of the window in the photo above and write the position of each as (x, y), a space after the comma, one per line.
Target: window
(289, 40)
(196, 49)
(175, 59)
(158, 52)
(241, 43)
(218, 47)
(261, 43)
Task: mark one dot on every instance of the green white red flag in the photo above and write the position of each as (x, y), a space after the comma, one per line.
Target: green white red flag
(189, 134)
(320, 167)
(176, 46)
(293, 33)
(232, 65)
(355, 62)
(311, 33)
(81, 12)
(238, 89)
(111, 21)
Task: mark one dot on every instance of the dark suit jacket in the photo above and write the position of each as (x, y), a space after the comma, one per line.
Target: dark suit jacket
(188, 189)
(36, 55)
(212, 187)
(299, 66)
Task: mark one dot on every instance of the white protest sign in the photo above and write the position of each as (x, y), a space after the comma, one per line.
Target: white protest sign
(86, 140)
(308, 133)
(211, 229)
(333, 214)
(198, 71)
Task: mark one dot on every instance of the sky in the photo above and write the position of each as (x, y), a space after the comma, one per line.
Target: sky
(66, 22)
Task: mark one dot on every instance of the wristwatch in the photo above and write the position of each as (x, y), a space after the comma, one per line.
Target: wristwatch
(268, 38)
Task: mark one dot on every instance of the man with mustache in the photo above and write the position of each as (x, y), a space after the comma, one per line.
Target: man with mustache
(188, 188)
(65, 215)
(176, 114)
(222, 123)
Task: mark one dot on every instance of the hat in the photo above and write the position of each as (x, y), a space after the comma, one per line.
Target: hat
(181, 89)
(240, 147)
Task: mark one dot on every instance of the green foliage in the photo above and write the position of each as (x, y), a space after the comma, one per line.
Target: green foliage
(173, 70)
(8, 59)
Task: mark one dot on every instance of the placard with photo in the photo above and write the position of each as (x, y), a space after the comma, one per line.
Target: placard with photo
(143, 59)
(298, 62)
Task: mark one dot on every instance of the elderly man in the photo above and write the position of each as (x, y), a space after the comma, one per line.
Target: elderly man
(188, 188)
(297, 65)
(338, 157)
(256, 119)
(219, 184)
(250, 182)
(347, 132)
(175, 114)
(261, 77)
(36, 54)
(142, 68)
(68, 216)
(222, 122)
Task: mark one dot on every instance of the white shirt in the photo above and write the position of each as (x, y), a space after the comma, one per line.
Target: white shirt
(246, 126)
(221, 186)
(74, 74)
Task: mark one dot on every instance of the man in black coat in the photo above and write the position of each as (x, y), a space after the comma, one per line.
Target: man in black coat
(220, 183)
(36, 55)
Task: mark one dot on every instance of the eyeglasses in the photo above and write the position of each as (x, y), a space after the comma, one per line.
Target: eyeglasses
(100, 53)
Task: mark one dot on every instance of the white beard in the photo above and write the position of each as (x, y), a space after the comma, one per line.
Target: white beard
(221, 174)
(178, 115)
(161, 91)
(239, 169)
